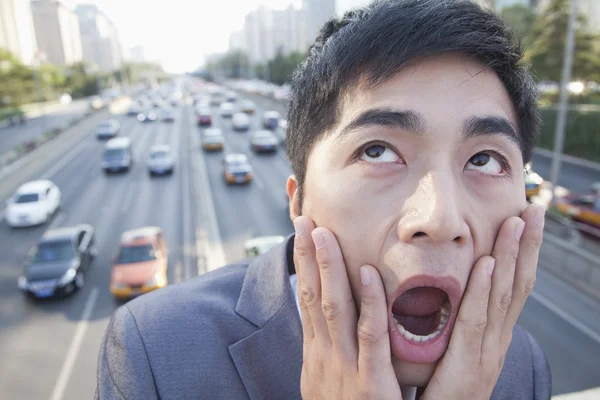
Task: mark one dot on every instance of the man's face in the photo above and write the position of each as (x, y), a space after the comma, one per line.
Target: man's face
(416, 180)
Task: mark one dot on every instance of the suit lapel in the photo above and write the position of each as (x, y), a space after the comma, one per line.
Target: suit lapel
(269, 361)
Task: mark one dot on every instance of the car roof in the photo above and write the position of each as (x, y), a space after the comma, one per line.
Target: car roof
(34, 186)
(118, 143)
(140, 235)
(61, 233)
(213, 132)
(236, 157)
(263, 240)
(160, 148)
(271, 113)
(263, 132)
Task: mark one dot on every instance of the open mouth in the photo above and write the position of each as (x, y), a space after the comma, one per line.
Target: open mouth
(422, 313)
(422, 316)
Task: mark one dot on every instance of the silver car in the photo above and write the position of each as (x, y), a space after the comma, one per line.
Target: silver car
(161, 160)
(263, 140)
(108, 129)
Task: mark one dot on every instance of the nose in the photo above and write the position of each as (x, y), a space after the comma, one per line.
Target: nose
(434, 212)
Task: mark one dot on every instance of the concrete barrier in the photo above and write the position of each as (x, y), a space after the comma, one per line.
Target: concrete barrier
(591, 394)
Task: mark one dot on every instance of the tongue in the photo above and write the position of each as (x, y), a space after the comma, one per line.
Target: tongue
(419, 302)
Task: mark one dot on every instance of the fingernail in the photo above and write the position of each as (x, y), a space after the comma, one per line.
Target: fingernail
(491, 265)
(365, 275)
(298, 227)
(539, 216)
(519, 230)
(319, 240)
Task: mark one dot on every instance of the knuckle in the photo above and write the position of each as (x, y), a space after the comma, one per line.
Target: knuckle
(331, 309)
(527, 287)
(475, 325)
(308, 296)
(368, 334)
(300, 250)
(504, 302)
(536, 241)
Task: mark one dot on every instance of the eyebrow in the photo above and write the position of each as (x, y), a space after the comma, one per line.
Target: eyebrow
(413, 122)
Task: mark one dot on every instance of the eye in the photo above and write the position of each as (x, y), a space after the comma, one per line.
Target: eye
(486, 164)
(379, 153)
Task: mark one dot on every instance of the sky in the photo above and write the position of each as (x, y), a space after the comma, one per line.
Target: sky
(180, 32)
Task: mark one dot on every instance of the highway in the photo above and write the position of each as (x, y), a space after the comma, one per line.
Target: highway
(57, 115)
(49, 349)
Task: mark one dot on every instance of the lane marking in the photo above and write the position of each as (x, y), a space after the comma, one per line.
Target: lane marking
(62, 162)
(127, 201)
(566, 316)
(60, 218)
(186, 211)
(67, 368)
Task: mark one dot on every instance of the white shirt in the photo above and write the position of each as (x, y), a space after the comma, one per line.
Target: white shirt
(408, 392)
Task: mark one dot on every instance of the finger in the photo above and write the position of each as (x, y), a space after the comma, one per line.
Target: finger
(337, 302)
(471, 321)
(506, 251)
(374, 352)
(309, 282)
(527, 262)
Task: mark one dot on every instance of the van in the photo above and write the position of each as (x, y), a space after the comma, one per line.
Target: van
(117, 155)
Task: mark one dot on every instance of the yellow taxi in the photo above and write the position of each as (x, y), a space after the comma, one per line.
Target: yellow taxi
(533, 182)
(582, 207)
(213, 140)
(141, 263)
(237, 169)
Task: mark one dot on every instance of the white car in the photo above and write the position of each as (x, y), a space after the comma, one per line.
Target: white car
(161, 160)
(263, 140)
(260, 245)
(108, 129)
(227, 109)
(32, 204)
(241, 122)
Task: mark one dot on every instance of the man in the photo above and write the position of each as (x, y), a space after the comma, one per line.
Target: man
(409, 126)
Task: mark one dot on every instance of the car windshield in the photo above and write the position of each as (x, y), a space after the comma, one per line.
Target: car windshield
(53, 251)
(135, 254)
(27, 198)
(159, 154)
(113, 153)
(105, 125)
(209, 132)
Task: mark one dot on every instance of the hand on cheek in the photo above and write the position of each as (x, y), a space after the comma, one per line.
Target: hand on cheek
(345, 356)
(496, 293)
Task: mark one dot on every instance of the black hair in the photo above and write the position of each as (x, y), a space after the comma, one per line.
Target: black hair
(373, 43)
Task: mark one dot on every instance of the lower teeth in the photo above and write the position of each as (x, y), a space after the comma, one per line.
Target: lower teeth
(418, 338)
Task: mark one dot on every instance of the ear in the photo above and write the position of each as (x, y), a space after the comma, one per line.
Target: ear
(293, 196)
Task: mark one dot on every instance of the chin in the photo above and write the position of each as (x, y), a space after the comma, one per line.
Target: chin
(411, 374)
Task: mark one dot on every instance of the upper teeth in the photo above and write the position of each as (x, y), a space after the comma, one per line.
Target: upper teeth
(418, 338)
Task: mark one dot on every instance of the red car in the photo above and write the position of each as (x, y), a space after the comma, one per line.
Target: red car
(204, 120)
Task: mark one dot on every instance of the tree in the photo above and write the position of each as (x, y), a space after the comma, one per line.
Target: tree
(520, 19)
(548, 46)
(18, 84)
(281, 67)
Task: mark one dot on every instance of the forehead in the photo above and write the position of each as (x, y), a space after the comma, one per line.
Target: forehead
(443, 89)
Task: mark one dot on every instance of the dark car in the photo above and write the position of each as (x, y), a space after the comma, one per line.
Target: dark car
(59, 262)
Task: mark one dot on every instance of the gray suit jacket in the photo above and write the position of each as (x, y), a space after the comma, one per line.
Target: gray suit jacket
(235, 333)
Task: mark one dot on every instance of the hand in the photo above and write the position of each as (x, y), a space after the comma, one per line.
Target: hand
(489, 311)
(343, 358)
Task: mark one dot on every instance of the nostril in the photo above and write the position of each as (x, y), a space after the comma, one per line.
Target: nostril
(419, 234)
(457, 239)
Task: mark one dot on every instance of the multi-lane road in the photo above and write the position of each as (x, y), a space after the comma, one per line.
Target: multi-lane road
(48, 349)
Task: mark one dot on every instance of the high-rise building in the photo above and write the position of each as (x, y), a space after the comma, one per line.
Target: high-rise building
(57, 32)
(315, 14)
(289, 30)
(99, 38)
(16, 30)
(138, 54)
(236, 41)
(259, 40)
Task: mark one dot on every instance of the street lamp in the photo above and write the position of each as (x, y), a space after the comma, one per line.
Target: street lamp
(561, 118)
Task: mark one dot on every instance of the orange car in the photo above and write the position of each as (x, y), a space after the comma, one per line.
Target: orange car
(141, 263)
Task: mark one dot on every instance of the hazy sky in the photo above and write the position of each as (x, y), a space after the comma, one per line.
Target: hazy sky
(180, 32)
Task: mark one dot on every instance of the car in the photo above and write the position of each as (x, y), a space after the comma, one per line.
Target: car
(227, 110)
(133, 111)
(213, 139)
(231, 97)
(147, 116)
(241, 122)
(248, 107)
(271, 119)
(582, 207)
(204, 117)
(260, 245)
(57, 265)
(216, 98)
(533, 182)
(117, 155)
(141, 263)
(108, 129)
(168, 116)
(33, 203)
(160, 160)
(263, 140)
(237, 168)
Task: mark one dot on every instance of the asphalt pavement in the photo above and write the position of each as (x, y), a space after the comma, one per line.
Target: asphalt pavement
(49, 349)
(61, 115)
